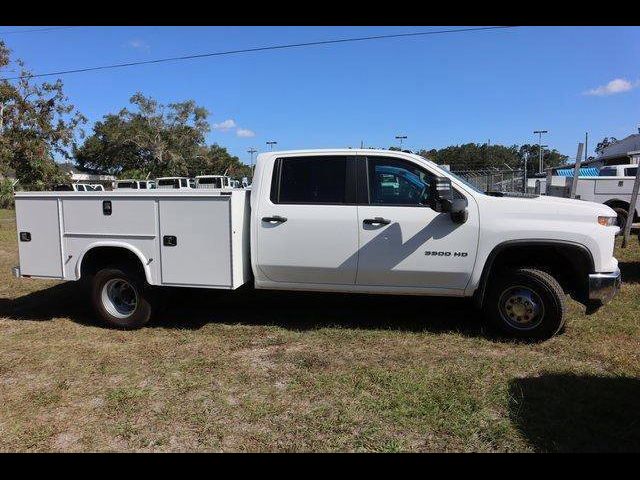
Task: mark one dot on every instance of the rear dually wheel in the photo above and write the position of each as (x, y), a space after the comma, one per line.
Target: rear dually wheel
(120, 298)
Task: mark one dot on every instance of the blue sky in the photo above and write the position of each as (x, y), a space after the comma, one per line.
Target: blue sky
(438, 90)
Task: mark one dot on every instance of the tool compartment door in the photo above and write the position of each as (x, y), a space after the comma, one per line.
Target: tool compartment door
(195, 241)
(39, 244)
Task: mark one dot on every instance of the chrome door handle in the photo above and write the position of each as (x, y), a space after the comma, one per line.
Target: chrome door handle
(376, 221)
(274, 219)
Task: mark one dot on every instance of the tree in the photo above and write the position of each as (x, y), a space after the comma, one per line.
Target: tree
(215, 159)
(606, 141)
(36, 122)
(154, 139)
(476, 156)
(550, 158)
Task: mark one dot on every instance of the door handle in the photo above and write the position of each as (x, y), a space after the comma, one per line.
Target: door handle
(376, 221)
(274, 219)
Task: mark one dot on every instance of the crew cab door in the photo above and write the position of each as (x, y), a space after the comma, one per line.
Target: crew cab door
(307, 230)
(404, 242)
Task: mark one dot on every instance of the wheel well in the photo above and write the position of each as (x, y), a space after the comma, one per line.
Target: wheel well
(569, 264)
(101, 257)
(621, 204)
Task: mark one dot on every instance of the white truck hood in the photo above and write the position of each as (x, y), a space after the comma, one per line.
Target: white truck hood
(550, 205)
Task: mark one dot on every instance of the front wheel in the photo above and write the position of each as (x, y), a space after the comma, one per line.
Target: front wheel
(120, 298)
(526, 303)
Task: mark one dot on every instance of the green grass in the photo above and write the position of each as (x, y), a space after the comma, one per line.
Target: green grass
(259, 371)
(7, 214)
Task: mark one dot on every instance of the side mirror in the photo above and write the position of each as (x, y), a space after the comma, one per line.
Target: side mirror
(441, 194)
(442, 200)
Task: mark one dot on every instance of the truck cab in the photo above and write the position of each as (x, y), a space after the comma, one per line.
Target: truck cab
(213, 181)
(130, 184)
(376, 221)
(177, 183)
(618, 171)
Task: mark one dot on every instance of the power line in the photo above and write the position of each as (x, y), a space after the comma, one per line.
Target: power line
(11, 32)
(257, 49)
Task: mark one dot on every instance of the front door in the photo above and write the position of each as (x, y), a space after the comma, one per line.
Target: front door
(405, 243)
(308, 230)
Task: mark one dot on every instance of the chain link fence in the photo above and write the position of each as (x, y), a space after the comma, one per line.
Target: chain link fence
(494, 180)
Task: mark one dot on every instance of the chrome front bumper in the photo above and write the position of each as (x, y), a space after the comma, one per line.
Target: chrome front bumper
(604, 286)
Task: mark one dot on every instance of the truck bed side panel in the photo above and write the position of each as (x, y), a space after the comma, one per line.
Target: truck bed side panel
(41, 256)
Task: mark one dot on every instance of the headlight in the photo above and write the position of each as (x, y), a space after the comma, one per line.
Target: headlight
(607, 221)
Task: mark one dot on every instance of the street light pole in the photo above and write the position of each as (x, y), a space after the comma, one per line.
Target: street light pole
(401, 137)
(524, 178)
(540, 132)
(271, 144)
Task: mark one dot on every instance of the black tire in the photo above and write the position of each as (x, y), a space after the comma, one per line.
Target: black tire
(529, 292)
(130, 314)
(621, 220)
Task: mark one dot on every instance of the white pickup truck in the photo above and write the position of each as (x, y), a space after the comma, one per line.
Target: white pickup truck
(369, 221)
(612, 188)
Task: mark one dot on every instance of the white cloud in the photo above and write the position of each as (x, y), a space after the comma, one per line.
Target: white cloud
(226, 125)
(138, 44)
(617, 85)
(245, 133)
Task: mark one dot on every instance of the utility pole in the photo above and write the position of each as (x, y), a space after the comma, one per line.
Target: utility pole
(632, 209)
(271, 144)
(586, 145)
(401, 137)
(251, 151)
(540, 132)
(576, 171)
(524, 178)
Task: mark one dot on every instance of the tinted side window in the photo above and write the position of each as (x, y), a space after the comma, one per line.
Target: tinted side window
(631, 172)
(396, 182)
(607, 172)
(312, 180)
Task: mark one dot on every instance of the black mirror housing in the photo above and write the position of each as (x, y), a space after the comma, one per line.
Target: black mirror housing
(458, 211)
(441, 194)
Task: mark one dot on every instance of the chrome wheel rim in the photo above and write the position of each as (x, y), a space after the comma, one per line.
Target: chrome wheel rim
(119, 298)
(521, 308)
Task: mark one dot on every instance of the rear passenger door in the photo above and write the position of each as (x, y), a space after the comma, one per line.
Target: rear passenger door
(308, 230)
